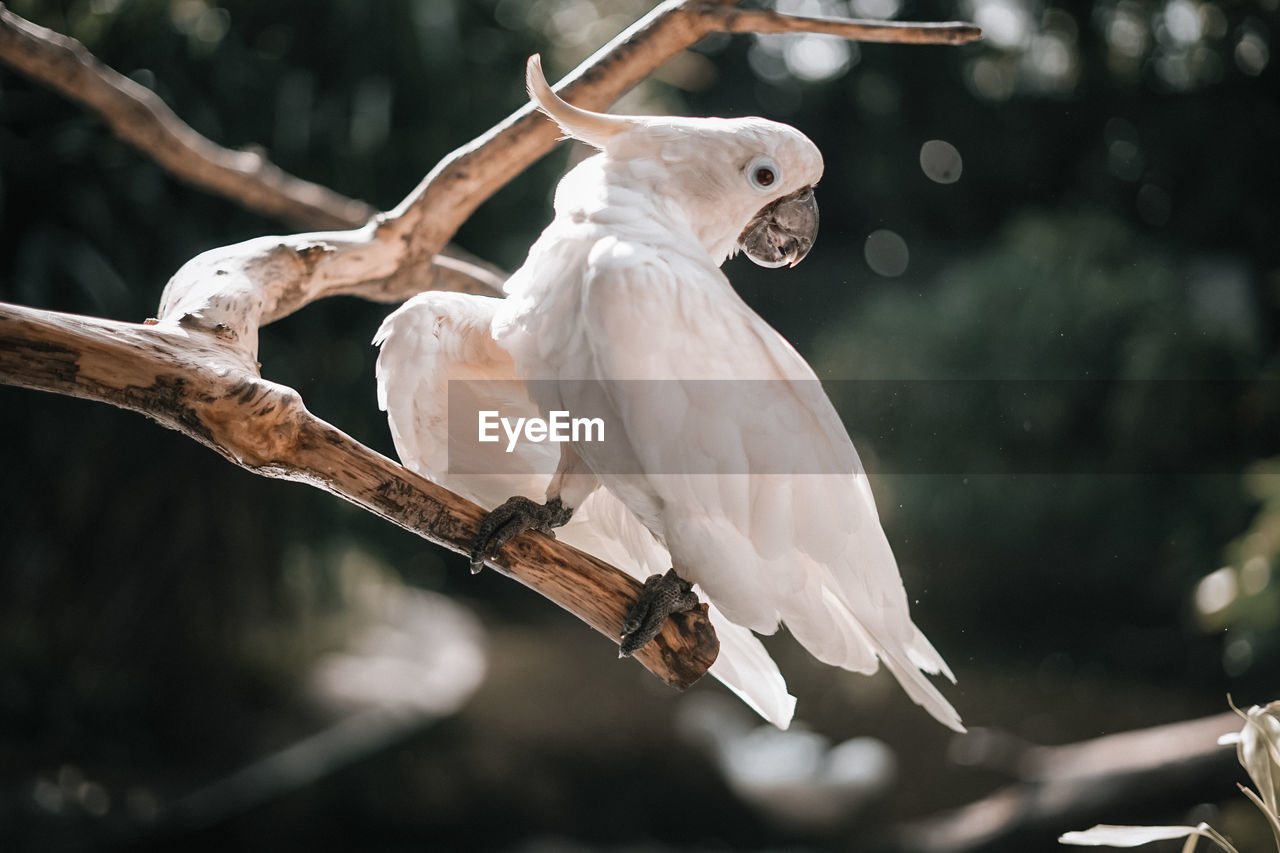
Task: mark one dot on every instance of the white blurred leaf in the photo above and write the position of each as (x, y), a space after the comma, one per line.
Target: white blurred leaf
(1104, 835)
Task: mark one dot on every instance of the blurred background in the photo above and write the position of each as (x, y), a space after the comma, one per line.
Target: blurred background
(1056, 252)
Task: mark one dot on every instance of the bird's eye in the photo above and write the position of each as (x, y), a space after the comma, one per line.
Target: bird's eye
(763, 173)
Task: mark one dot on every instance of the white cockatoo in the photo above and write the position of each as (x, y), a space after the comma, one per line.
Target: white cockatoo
(723, 463)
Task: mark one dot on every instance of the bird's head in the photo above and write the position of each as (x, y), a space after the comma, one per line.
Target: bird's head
(744, 184)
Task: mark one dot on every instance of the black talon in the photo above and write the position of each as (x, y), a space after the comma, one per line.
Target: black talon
(515, 516)
(660, 596)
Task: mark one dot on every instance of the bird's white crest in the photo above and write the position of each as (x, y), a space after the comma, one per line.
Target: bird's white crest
(584, 125)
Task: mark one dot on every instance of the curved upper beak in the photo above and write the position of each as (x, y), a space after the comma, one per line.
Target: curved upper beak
(783, 232)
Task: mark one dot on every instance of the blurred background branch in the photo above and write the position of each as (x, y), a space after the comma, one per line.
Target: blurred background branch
(1089, 781)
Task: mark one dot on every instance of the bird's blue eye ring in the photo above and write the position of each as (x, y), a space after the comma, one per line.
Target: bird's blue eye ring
(763, 173)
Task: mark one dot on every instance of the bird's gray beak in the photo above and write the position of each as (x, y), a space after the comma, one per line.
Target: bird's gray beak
(783, 232)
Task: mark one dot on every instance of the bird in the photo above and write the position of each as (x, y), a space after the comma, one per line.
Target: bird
(723, 460)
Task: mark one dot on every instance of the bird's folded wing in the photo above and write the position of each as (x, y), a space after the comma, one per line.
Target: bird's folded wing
(787, 528)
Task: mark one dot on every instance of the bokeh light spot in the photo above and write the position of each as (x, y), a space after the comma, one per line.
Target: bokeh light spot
(1255, 575)
(1252, 55)
(1216, 591)
(1005, 23)
(1124, 159)
(815, 58)
(1124, 155)
(1237, 657)
(881, 9)
(1127, 31)
(1054, 59)
(991, 79)
(886, 253)
(940, 161)
(1182, 20)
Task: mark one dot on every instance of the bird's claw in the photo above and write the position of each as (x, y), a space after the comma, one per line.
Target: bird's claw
(660, 596)
(515, 516)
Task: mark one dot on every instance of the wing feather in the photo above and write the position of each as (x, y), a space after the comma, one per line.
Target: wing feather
(431, 340)
(798, 546)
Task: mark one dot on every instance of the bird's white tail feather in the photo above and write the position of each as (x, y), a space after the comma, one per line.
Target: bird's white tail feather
(836, 634)
(824, 625)
(922, 653)
(921, 690)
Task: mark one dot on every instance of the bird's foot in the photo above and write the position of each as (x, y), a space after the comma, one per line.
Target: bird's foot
(515, 516)
(660, 596)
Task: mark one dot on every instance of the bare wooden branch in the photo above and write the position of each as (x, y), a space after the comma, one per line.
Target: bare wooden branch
(468, 176)
(138, 116)
(1073, 785)
(395, 256)
(190, 380)
(141, 118)
(390, 259)
(194, 369)
(896, 32)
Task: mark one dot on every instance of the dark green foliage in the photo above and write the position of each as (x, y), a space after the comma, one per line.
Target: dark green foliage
(1076, 415)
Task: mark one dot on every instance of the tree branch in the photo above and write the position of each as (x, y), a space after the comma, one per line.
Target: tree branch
(1060, 787)
(390, 258)
(467, 177)
(191, 381)
(406, 250)
(139, 117)
(194, 369)
(896, 32)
